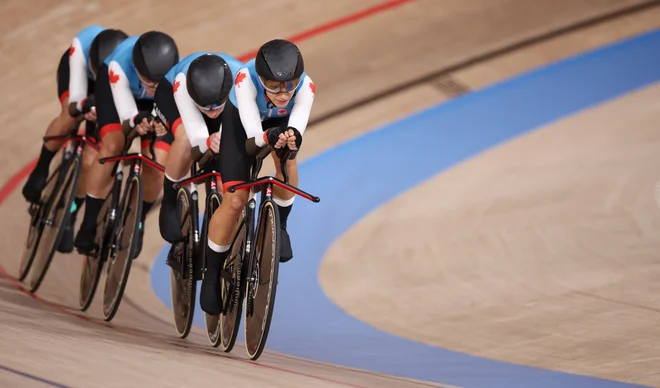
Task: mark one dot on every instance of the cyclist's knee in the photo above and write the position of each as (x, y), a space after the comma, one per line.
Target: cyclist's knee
(236, 201)
(112, 144)
(152, 174)
(88, 158)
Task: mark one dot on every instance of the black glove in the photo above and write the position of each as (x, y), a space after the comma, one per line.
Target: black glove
(141, 116)
(273, 135)
(88, 104)
(298, 137)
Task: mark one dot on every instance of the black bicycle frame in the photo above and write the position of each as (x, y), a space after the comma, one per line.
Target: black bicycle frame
(136, 160)
(73, 146)
(210, 180)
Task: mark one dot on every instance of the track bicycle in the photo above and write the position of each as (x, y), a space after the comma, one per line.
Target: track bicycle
(250, 271)
(52, 212)
(185, 257)
(117, 229)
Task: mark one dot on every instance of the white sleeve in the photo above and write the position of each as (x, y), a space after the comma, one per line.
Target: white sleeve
(121, 93)
(302, 106)
(77, 74)
(191, 118)
(246, 98)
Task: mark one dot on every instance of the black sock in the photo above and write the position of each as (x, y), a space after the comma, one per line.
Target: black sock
(284, 214)
(77, 204)
(214, 260)
(169, 193)
(146, 206)
(45, 158)
(92, 209)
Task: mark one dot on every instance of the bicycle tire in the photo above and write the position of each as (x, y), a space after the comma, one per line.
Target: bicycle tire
(230, 319)
(93, 265)
(115, 282)
(257, 319)
(212, 322)
(183, 286)
(59, 211)
(37, 214)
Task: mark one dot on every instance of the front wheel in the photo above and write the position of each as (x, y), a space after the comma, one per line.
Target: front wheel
(93, 264)
(232, 287)
(123, 247)
(58, 215)
(38, 212)
(262, 280)
(183, 286)
(212, 322)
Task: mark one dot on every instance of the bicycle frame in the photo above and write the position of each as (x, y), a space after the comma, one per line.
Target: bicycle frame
(211, 182)
(73, 145)
(136, 159)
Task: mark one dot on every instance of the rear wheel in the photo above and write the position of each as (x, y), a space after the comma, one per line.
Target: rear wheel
(232, 287)
(123, 245)
(262, 281)
(212, 321)
(182, 277)
(37, 213)
(93, 265)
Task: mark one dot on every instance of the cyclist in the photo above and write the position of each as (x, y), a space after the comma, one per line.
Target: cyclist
(269, 105)
(190, 100)
(76, 74)
(124, 92)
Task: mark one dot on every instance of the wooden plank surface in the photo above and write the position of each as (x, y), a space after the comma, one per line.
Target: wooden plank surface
(423, 35)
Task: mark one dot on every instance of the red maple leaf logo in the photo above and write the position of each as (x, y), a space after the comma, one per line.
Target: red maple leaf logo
(175, 87)
(72, 50)
(239, 78)
(312, 87)
(114, 77)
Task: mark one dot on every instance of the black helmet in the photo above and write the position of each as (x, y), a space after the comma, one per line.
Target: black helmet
(154, 54)
(279, 60)
(209, 80)
(103, 45)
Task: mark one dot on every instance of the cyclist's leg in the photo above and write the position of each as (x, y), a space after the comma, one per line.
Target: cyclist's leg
(178, 161)
(234, 166)
(99, 180)
(60, 125)
(88, 159)
(284, 200)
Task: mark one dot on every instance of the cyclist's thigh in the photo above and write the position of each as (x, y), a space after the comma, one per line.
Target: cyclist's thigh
(234, 161)
(63, 77)
(107, 118)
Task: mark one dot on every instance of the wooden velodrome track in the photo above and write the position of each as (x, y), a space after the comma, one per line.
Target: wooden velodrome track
(401, 48)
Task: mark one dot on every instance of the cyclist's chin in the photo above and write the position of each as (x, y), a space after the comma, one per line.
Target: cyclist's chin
(212, 114)
(280, 103)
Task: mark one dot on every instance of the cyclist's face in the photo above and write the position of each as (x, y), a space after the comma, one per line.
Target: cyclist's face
(280, 100)
(280, 93)
(212, 113)
(148, 85)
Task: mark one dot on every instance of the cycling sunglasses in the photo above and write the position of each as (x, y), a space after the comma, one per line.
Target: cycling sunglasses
(283, 87)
